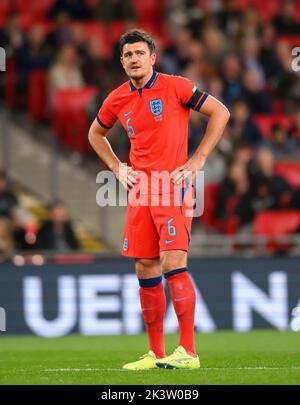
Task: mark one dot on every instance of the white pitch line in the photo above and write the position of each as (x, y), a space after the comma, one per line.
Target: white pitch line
(201, 369)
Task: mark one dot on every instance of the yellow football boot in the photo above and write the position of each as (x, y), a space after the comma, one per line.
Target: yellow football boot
(146, 362)
(179, 359)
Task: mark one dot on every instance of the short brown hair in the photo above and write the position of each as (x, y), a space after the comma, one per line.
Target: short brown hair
(136, 35)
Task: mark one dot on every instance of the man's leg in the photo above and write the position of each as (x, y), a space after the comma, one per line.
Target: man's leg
(153, 302)
(182, 291)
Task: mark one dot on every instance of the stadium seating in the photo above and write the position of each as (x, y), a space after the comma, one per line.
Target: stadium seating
(211, 192)
(265, 122)
(292, 40)
(4, 11)
(275, 223)
(290, 171)
(69, 117)
(267, 9)
(149, 10)
(10, 82)
(39, 8)
(97, 30)
(37, 96)
(228, 225)
(116, 29)
(32, 12)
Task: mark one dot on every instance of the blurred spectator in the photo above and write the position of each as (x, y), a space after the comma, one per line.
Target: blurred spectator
(76, 9)
(215, 168)
(8, 201)
(57, 233)
(244, 153)
(196, 130)
(215, 87)
(284, 54)
(251, 24)
(285, 22)
(6, 239)
(233, 198)
(195, 51)
(11, 35)
(61, 33)
(256, 98)
(293, 100)
(268, 56)
(79, 40)
(34, 54)
(229, 18)
(215, 44)
(287, 85)
(24, 238)
(110, 10)
(242, 127)
(187, 13)
(176, 57)
(282, 147)
(95, 68)
(267, 185)
(65, 73)
(264, 196)
(295, 129)
(197, 72)
(251, 49)
(295, 202)
(231, 74)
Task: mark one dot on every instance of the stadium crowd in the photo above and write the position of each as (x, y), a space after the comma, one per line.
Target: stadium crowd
(239, 51)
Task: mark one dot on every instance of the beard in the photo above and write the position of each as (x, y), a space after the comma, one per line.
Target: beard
(136, 74)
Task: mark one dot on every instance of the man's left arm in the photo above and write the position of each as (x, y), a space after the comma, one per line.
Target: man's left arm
(218, 116)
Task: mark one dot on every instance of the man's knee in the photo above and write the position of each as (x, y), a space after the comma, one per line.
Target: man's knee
(173, 259)
(147, 268)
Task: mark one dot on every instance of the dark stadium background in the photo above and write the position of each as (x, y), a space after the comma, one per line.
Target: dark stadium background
(62, 59)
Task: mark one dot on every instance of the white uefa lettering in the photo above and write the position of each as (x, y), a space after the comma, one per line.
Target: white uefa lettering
(33, 307)
(93, 302)
(132, 320)
(247, 297)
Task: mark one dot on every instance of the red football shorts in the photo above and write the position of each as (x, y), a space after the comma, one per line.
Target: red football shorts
(151, 229)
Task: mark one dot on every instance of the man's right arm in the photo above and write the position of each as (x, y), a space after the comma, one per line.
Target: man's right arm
(98, 140)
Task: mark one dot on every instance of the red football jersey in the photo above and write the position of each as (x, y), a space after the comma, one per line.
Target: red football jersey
(155, 119)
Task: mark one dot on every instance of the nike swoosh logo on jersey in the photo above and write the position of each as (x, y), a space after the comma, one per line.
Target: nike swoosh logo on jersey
(126, 114)
(169, 241)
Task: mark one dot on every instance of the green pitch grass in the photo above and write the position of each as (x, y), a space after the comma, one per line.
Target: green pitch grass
(261, 357)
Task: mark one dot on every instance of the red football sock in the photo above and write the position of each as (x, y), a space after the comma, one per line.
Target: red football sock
(153, 304)
(183, 296)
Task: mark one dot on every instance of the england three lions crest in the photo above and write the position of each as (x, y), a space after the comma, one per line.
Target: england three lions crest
(156, 106)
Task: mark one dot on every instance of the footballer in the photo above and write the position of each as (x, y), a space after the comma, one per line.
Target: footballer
(154, 109)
